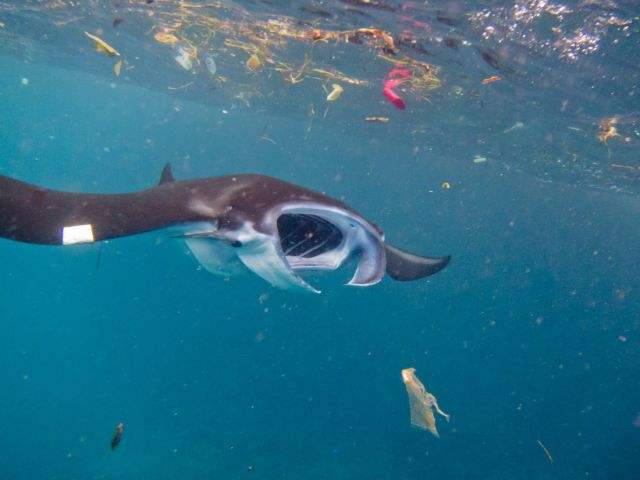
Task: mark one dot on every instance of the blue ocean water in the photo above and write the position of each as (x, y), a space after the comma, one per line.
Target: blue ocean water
(531, 336)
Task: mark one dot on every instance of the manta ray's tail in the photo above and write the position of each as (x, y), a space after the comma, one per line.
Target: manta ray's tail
(29, 213)
(32, 214)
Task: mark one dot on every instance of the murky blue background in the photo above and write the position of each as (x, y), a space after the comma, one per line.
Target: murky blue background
(532, 333)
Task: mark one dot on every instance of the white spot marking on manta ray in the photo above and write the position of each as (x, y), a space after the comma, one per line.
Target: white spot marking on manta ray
(77, 234)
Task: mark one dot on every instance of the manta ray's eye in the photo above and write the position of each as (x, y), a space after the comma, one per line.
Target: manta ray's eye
(303, 235)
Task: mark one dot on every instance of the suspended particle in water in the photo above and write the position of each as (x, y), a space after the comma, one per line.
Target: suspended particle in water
(491, 79)
(117, 68)
(211, 65)
(377, 119)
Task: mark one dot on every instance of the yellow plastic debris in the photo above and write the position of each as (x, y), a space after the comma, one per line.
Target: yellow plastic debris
(335, 93)
(166, 38)
(254, 63)
(421, 403)
(607, 129)
(117, 68)
(102, 46)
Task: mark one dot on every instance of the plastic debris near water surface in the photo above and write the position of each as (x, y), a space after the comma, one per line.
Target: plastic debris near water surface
(335, 93)
(253, 57)
(102, 46)
(485, 53)
(210, 63)
(184, 58)
(491, 79)
(421, 403)
(254, 63)
(396, 77)
(377, 119)
(117, 68)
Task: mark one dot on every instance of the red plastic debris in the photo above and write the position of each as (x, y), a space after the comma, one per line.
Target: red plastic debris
(394, 98)
(396, 76)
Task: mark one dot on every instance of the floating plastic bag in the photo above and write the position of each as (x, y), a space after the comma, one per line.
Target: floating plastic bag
(184, 58)
(210, 63)
(421, 403)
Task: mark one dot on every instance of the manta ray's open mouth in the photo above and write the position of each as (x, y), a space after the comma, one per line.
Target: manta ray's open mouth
(307, 236)
(315, 238)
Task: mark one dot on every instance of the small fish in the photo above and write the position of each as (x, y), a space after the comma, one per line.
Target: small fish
(117, 436)
(117, 21)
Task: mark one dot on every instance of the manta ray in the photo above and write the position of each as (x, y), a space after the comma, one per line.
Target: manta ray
(230, 223)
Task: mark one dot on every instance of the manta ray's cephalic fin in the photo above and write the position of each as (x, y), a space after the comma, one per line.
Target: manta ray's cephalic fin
(405, 266)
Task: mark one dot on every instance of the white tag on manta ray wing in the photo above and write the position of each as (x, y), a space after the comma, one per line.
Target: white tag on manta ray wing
(77, 234)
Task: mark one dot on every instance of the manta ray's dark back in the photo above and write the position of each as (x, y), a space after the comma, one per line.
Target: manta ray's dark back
(240, 210)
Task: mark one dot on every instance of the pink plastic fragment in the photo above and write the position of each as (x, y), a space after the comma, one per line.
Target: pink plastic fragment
(396, 76)
(399, 73)
(394, 98)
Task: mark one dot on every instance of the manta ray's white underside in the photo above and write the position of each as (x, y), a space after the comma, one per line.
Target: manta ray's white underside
(228, 253)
